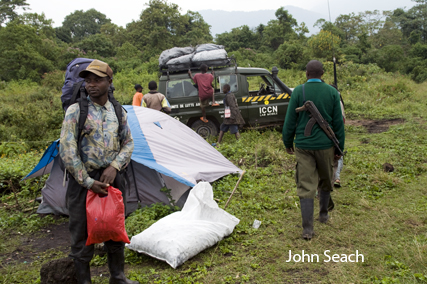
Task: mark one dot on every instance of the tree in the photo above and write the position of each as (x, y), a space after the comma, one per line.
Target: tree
(98, 44)
(196, 31)
(24, 54)
(81, 24)
(330, 27)
(279, 30)
(241, 37)
(389, 34)
(115, 33)
(160, 27)
(412, 23)
(42, 25)
(372, 21)
(350, 25)
(390, 57)
(8, 9)
(324, 44)
(291, 54)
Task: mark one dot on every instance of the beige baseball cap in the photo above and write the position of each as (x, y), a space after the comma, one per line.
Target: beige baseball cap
(98, 68)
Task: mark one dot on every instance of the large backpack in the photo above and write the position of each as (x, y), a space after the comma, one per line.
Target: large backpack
(74, 91)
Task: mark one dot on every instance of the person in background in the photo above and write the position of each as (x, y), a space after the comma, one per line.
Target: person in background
(231, 123)
(204, 82)
(314, 153)
(137, 98)
(155, 100)
(339, 164)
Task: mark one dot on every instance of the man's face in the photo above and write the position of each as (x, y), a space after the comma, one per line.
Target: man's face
(225, 90)
(97, 86)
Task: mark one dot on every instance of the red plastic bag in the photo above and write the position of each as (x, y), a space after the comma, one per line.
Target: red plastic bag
(105, 217)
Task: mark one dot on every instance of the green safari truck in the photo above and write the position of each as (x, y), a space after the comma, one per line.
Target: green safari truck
(263, 99)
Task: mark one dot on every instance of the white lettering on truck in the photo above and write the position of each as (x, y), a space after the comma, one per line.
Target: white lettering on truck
(268, 111)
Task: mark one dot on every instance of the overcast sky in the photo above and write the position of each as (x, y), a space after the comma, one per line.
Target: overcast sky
(122, 12)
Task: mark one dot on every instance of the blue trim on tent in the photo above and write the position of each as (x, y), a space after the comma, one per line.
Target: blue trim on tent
(142, 152)
(47, 158)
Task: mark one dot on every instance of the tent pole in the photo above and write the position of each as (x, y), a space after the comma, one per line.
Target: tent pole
(237, 184)
(226, 204)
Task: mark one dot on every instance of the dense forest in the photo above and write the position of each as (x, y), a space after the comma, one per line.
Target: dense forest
(31, 48)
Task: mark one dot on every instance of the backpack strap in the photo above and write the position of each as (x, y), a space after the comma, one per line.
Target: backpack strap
(303, 93)
(84, 108)
(119, 111)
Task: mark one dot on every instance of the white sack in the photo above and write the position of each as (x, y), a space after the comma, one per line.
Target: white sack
(182, 235)
(217, 54)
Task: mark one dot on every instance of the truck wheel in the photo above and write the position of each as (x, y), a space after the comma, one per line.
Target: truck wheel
(205, 129)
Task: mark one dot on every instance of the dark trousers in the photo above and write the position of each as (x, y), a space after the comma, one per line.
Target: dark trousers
(314, 170)
(76, 202)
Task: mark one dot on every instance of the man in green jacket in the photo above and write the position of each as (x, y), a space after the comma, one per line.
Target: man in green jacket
(315, 153)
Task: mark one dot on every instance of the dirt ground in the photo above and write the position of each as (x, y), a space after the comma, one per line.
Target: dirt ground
(375, 126)
(55, 237)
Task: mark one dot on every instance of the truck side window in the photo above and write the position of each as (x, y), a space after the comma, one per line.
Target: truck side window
(181, 88)
(229, 79)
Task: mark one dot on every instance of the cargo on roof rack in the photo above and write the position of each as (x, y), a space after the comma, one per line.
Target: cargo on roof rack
(229, 62)
(183, 58)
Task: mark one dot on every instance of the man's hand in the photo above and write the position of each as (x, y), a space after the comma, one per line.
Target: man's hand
(100, 188)
(337, 157)
(108, 175)
(290, 151)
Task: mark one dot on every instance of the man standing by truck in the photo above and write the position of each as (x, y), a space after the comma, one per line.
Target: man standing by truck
(155, 100)
(204, 85)
(315, 152)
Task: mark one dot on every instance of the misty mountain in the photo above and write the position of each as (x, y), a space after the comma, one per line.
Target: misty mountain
(223, 21)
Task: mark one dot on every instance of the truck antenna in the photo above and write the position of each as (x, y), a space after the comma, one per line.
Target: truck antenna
(333, 50)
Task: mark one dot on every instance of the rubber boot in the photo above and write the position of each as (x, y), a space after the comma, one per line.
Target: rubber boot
(324, 197)
(331, 204)
(82, 272)
(116, 264)
(307, 208)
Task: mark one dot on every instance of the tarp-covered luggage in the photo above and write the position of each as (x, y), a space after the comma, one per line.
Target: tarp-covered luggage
(215, 57)
(174, 52)
(180, 63)
(184, 58)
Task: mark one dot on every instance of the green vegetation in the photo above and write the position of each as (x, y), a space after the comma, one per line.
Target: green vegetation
(382, 64)
(394, 40)
(382, 215)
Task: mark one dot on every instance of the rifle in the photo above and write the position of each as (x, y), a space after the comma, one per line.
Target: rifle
(316, 117)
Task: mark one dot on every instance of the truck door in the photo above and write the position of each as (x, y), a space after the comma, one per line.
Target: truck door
(266, 102)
